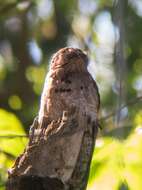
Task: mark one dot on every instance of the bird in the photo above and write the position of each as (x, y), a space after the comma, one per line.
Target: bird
(62, 137)
(67, 84)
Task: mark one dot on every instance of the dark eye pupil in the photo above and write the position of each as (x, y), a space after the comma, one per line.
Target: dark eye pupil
(62, 90)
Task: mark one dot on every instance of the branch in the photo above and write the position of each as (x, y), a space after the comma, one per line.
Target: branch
(130, 103)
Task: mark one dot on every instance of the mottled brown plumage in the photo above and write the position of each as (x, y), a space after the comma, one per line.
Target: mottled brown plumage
(62, 137)
(68, 83)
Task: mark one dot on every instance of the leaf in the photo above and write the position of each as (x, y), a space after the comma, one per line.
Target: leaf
(5, 163)
(117, 164)
(11, 126)
(105, 157)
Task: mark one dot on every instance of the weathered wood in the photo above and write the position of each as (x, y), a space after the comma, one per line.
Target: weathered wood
(62, 137)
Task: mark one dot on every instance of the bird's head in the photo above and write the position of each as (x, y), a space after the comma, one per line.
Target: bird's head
(70, 59)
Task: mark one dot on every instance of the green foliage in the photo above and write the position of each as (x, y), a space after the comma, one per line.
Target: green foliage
(36, 76)
(9, 127)
(117, 164)
(30, 31)
(10, 147)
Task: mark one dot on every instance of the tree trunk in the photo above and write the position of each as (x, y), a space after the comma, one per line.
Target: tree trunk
(62, 137)
(120, 61)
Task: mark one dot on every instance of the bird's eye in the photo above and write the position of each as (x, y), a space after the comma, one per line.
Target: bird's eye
(66, 80)
(62, 90)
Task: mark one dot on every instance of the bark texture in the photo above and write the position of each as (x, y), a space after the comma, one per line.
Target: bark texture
(62, 137)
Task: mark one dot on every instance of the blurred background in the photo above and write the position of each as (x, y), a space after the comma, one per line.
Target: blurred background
(111, 33)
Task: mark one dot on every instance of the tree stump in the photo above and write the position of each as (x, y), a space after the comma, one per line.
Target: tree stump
(62, 137)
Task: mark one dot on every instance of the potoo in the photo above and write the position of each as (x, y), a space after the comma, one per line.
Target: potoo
(62, 137)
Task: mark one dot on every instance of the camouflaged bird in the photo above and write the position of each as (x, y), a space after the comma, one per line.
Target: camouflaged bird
(62, 137)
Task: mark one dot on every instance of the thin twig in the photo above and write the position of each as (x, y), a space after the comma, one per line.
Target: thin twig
(104, 118)
(130, 103)
(14, 136)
